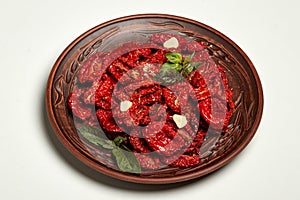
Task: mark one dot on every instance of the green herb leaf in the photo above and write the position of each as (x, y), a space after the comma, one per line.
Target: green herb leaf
(90, 129)
(188, 59)
(196, 65)
(176, 69)
(119, 140)
(174, 57)
(190, 67)
(187, 70)
(107, 144)
(126, 160)
(168, 76)
(175, 66)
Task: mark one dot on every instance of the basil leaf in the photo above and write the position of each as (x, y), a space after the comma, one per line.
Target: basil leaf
(119, 140)
(188, 59)
(126, 161)
(187, 70)
(174, 66)
(90, 129)
(107, 144)
(174, 57)
(168, 76)
(196, 65)
(176, 69)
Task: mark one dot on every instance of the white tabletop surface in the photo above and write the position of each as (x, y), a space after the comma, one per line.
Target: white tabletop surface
(33, 34)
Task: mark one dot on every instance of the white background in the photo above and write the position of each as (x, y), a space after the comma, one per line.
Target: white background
(33, 34)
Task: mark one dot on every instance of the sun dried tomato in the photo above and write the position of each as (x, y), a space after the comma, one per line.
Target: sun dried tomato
(187, 132)
(170, 130)
(152, 98)
(150, 70)
(210, 73)
(147, 96)
(193, 139)
(199, 138)
(216, 109)
(155, 127)
(93, 120)
(229, 100)
(211, 81)
(92, 67)
(159, 141)
(163, 139)
(145, 90)
(228, 92)
(106, 121)
(184, 161)
(76, 105)
(152, 129)
(160, 38)
(132, 58)
(171, 124)
(131, 88)
(103, 104)
(158, 57)
(202, 93)
(194, 46)
(173, 147)
(123, 49)
(191, 112)
(196, 79)
(148, 162)
(124, 120)
(214, 112)
(89, 94)
(99, 94)
(157, 112)
(176, 95)
(171, 100)
(192, 151)
(131, 77)
(170, 114)
(201, 56)
(119, 93)
(117, 69)
(140, 114)
(104, 92)
(139, 144)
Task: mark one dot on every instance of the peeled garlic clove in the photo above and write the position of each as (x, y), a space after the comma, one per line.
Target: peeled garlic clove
(171, 43)
(180, 120)
(125, 105)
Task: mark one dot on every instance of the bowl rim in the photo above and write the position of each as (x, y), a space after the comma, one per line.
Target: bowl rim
(152, 180)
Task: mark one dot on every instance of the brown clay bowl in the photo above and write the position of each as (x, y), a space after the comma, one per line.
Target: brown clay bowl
(218, 150)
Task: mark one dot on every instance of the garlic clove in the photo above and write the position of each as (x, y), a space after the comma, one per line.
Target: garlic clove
(171, 43)
(180, 120)
(125, 105)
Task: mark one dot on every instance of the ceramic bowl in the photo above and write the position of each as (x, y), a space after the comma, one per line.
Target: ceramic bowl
(217, 149)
